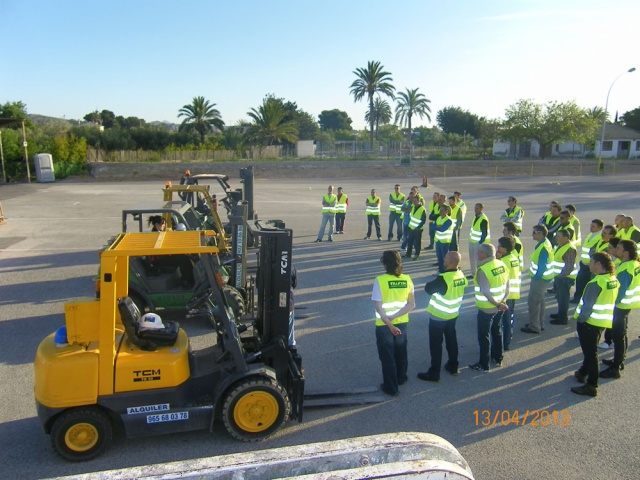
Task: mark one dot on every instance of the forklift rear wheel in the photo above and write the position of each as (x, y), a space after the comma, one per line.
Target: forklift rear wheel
(255, 409)
(235, 301)
(81, 434)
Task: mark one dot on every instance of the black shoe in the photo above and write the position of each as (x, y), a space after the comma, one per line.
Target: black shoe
(384, 390)
(430, 247)
(389, 239)
(366, 238)
(497, 363)
(478, 368)
(542, 328)
(428, 377)
(416, 258)
(609, 363)
(529, 330)
(470, 276)
(574, 301)
(506, 348)
(581, 377)
(453, 371)
(318, 240)
(559, 322)
(611, 372)
(406, 256)
(586, 389)
(330, 239)
(553, 315)
(379, 239)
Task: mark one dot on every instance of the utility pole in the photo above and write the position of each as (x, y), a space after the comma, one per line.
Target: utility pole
(26, 154)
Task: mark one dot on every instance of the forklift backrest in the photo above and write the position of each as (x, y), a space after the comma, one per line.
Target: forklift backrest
(130, 315)
(147, 340)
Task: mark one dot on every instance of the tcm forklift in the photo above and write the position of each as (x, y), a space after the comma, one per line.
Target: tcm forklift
(103, 371)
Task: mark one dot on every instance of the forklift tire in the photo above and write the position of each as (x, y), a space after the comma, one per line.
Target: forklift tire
(255, 409)
(235, 301)
(81, 434)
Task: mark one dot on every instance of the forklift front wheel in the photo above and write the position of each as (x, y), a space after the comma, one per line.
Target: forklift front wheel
(255, 409)
(81, 434)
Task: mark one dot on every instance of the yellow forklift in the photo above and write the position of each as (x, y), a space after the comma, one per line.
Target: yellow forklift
(104, 370)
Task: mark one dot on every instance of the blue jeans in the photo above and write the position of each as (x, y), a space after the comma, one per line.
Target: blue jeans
(395, 219)
(490, 337)
(392, 351)
(508, 319)
(441, 250)
(405, 232)
(326, 217)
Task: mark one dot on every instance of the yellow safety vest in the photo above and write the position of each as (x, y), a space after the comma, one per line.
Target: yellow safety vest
(519, 252)
(631, 297)
(447, 235)
(331, 200)
(395, 293)
(394, 206)
(513, 214)
(454, 215)
(476, 233)
(416, 217)
(341, 204)
(558, 264)
(626, 234)
(575, 224)
(515, 280)
(447, 306)
(602, 311)
(590, 243)
(535, 256)
(498, 277)
(375, 210)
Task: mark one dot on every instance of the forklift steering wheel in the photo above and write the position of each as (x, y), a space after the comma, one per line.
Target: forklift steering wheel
(199, 299)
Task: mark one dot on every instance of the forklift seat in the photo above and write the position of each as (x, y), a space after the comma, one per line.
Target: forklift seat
(148, 340)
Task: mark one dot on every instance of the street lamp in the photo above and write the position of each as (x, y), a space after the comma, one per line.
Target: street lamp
(604, 122)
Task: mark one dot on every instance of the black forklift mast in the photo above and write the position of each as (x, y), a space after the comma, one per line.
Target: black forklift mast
(246, 178)
(273, 283)
(239, 234)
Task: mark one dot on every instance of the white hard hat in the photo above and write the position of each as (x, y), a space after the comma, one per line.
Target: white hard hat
(150, 321)
(181, 227)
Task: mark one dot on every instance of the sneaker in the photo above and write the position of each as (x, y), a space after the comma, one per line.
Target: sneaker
(428, 377)
(416, 258)
(366, 238)
(609, 363)
(605, 346)
(611, 372)
(379, 239)
(478, 368)
(586, 389)
(497, 363)
(581, 377)
(318, 240)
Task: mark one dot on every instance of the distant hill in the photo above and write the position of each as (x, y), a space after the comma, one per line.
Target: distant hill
(44, 119)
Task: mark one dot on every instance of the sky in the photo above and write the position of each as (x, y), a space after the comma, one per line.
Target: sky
(148, 58)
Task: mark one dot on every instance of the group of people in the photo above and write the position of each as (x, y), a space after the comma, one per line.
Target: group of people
(605, 269)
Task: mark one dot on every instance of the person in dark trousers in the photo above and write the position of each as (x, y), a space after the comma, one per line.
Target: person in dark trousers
(396, 200)
(628, 275)
(447, 291)
(393, 299)
(418, 218)
(187, 180)
(591, 241)
(564, 274)
(594, 313)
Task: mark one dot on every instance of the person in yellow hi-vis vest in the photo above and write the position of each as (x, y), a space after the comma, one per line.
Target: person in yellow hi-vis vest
(628, 275)
(328, 213)
(373, 214)
(565, 271)
(393, 299)
(509, 256)
(594, 313)
(447, 292)
(491, 290)
(396, 200)
(342, 202)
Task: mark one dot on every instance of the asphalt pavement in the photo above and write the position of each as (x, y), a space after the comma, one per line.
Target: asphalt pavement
(48, 255)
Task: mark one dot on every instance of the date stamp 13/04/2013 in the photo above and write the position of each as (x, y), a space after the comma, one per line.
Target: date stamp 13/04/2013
(535, 418)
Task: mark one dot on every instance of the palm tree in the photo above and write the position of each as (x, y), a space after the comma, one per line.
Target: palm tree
(381, 113)
(200, 116)
(597, 113)
(371, 80)
(411, 103)
(270, 125)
